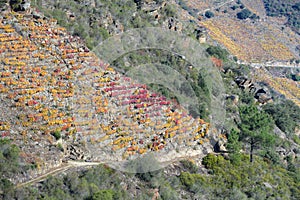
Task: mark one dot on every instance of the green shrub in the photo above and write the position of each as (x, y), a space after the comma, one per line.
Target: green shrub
(57, 135)
(212, 161)
(103, 195)
(187, 179)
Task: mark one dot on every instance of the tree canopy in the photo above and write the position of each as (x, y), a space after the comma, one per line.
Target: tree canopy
(256, 127)
(244, 14)
(286, 115)
(209, 14)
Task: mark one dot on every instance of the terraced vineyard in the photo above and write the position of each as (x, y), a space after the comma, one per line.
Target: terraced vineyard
(285, 86)
(251, 42)
(52, 87)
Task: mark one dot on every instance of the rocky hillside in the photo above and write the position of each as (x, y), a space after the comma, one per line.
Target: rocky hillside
(64, 110)
(55, 93)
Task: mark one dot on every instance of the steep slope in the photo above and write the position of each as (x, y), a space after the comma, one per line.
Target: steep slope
(59, 96)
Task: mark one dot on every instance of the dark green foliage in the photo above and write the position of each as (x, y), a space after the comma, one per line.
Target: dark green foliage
(245, 98)
(217, 52)
(256, 127)
(234, 7)
(244, 14)
(245, 181)
(9, 157)
(254, 16)
(88, 22)
(187, 179)
(226, 181)
(103, 195)
(289, 9)
(270, 155)
(234, 146)
(294, 77)
(166, 192)
(286, 115)
(98, 183)
(57, 135)
(60, 16)
(6, 187)
(9, 165)
(209, 14)
(15, 4)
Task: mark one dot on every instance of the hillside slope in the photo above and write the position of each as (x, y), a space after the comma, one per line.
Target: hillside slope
(64, 103)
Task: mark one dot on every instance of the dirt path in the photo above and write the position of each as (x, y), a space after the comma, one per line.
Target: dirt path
(55, 171)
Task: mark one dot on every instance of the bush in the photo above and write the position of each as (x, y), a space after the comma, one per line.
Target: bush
(103, 195)
(166, 192)
(187, 179)
(211, 161)
(189, 165)
(9, 158)
(57, 135)
(234, 7)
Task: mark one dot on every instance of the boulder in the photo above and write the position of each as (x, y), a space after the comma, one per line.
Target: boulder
(220, 146)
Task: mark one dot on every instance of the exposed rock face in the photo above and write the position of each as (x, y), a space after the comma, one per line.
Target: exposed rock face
(23, 6)
(244, 83)
(74, 152)
(220, 146)
(261, 94)
(174, 25)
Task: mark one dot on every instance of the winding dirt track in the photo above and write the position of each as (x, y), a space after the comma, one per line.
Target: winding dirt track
(55, 171)
(74, 164)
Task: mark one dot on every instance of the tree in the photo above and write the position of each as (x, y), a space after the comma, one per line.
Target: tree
(9, 157)
(256, 127)
(209, 14)
(286, 115)
(234, 146)
(244, 14)
(218, 52)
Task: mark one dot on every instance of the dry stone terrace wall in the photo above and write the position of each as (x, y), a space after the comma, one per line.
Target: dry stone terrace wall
(252, 42)
(36, 87)
(132, 119)
(52, 83)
